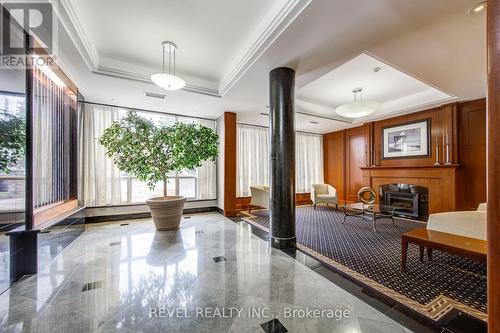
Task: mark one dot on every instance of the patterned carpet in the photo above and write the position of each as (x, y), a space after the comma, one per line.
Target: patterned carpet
(430, 288)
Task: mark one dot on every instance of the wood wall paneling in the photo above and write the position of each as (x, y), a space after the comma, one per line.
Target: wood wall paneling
(45, 215)
(461, 123)
(229, 164)
(441, 125)
(334, 161)
(356, 140)
(493, 158)
(472, 152)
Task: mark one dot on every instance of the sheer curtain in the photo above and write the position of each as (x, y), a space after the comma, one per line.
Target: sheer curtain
(308, 161)
(99, 178)
(252, 162)
(252, 165)
(206, 180)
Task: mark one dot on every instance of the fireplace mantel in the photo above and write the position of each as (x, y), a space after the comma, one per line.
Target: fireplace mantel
(412, 167)
(445, 182)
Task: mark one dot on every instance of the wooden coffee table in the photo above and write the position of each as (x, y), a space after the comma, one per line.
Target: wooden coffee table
(463, 246)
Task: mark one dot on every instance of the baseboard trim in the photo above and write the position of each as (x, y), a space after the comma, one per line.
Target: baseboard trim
(146, 215)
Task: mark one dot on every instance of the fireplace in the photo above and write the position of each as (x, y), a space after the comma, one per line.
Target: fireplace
(406, 203)
(409, 200)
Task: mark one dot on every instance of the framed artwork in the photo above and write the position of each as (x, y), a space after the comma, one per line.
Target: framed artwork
(407, 140)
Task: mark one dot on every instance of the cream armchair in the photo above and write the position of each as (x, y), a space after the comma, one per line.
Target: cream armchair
(468, 223)
(260, 197)
(323, 194)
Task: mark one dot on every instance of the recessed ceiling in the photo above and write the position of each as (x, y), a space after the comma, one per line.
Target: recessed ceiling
(216, 39)
(381, 82)
(444, 47)
(208, 33)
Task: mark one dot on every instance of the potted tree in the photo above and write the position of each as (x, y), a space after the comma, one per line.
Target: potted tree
(150, 152)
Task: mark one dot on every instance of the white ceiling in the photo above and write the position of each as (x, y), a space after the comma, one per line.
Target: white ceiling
(435, 41)
(228, 47)
(395, 89)
(217, 40)
(208, 33)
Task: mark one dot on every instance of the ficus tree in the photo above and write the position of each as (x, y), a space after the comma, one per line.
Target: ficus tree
(150, 152)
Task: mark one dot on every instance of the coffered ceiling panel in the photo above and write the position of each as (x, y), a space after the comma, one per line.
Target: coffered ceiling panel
(217, 40)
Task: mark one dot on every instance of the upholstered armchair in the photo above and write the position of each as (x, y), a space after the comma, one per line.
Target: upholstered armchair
(260, 197)
(323, 194)
(464, 223)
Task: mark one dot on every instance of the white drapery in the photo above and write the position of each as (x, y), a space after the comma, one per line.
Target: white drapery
(252, 162)
(99, 178)
(252, 165)
(206, 175)
(308, 161)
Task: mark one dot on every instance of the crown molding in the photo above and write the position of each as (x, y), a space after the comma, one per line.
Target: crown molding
(256, 47)
(407, 110)
(277, 22)
(84, 45)
(118, 73)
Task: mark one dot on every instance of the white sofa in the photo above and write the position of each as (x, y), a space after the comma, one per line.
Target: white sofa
(260, 197)
(469, 223)
(323, 194)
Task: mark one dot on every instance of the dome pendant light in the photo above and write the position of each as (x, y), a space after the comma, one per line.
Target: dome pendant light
(168, 81)
(358, 109)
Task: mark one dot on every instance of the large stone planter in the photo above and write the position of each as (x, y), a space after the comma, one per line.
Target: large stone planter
(166, 212)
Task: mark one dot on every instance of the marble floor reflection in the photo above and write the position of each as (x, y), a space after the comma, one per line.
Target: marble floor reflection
(131, 278)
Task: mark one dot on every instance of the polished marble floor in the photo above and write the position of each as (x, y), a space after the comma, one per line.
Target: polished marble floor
(127, 277)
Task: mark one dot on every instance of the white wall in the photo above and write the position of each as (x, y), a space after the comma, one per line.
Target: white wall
(220, 163)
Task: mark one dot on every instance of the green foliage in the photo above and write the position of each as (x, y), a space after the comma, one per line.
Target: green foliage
(12, 140)
(150, 152)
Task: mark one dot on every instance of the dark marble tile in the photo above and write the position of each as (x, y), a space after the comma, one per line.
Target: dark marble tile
(93, 285)
(400, 315)
(378, 301)
(338, 279)
(274, 326)
(260, 233)
(219, 259)
(465, 324)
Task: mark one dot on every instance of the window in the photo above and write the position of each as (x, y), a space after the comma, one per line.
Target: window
(135, 191)
(253, 159)
(12, 182)
(109, 186)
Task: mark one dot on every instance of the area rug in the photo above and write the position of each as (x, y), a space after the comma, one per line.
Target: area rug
(432, 288)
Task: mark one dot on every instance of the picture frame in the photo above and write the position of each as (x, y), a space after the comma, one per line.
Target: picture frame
(407, 140)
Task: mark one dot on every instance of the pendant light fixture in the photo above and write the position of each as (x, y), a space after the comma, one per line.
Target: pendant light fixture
(168, 80)
(358, 108)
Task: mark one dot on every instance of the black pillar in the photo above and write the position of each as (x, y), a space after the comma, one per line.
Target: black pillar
(282, 134)
(23, 246)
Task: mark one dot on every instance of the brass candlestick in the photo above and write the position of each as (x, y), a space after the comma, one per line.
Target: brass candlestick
(447, 155)
(437, 153)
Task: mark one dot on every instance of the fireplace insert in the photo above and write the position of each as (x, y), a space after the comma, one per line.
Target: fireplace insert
(406, 203)
(410, 200)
